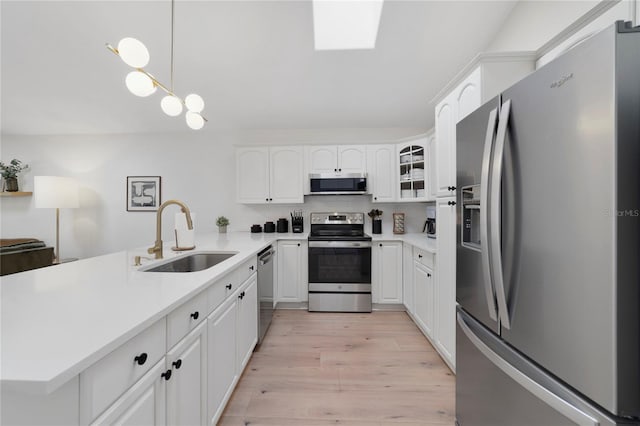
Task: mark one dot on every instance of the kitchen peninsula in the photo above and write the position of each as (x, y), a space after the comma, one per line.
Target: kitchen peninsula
(64, 363)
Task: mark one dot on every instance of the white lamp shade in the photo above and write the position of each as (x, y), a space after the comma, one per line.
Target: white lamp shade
(194, 120)
(55, 192)
(133, 52)
(194, 102)
(140, 84)
(171, 105)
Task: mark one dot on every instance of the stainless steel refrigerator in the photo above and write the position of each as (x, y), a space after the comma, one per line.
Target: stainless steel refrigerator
(548, 250)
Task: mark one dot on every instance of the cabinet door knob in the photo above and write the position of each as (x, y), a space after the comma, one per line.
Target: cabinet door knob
(195, 315)
(228, 286)
(380, 244)
(266, 199)
(166, 375)
(270, 199)
(241, 296)
(375, 198)
(419, 256)
(335, 170)
(251, 267)
(451, 203)
(339, 170)
(141, 359)
(298, 244)
(177, 364)
(453, 188)
(428, 275)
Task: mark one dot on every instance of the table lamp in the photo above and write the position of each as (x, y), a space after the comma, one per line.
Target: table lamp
(55, 192)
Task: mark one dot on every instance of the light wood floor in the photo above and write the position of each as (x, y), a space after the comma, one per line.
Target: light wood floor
(318, 369)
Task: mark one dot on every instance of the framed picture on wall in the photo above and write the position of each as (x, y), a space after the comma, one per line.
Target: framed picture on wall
(143, 193)
(398, 223)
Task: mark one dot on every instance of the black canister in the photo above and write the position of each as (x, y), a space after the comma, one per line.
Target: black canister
(256, 228)
(282, 226)
(269, 227)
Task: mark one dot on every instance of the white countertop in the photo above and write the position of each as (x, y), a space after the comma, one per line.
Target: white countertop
(417, 239)
(57, 321)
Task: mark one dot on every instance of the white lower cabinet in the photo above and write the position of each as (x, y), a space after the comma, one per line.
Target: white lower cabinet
(446, 283)
(247, 330)
(222, 374)
(143, 404)
(187, 386)
(423, 282)
(386, 272)
(408, 288)
(232, 335)
(292, 279)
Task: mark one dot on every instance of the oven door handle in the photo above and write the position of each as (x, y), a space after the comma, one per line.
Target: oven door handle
(340, 244)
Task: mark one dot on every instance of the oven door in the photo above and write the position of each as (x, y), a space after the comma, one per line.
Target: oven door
(340, 262)
(339, 276)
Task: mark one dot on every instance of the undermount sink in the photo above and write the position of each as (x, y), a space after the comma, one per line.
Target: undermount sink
(193, 262)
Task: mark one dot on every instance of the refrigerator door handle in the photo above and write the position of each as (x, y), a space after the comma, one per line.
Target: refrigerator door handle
(496, 217)
(554, 401)
(484, 213)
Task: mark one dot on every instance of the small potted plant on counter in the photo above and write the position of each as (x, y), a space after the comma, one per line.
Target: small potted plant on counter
(222, 223)
(10, 172)
(376, 221)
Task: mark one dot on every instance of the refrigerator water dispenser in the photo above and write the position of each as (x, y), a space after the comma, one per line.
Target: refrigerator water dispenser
(471, 217)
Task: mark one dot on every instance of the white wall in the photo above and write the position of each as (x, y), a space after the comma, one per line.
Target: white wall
(197, 168)
(532, 23)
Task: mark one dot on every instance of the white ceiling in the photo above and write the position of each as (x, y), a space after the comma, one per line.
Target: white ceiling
(252, 61)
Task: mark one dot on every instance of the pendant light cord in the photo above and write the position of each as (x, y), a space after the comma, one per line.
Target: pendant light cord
(172, 17)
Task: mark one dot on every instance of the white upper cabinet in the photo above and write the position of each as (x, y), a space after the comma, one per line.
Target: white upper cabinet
(252, 174)
(269, 175)
(432, 172)
(381, 166)
(285, 174)
(323, 159)
(352, 159)
(337, 159)
(412, 170)
(484, 78)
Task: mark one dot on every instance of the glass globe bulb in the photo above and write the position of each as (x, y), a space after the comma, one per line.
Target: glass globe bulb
(139, 84)
(171, 105)
(133, 52)
(194, 102)
(194, 120)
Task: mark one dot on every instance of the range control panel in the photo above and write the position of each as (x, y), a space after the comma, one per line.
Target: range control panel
(337, 218)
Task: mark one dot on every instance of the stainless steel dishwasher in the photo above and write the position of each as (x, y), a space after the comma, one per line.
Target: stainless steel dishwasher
(265, 290)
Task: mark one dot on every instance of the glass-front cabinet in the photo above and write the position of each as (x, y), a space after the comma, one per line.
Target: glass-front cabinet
(413, 169)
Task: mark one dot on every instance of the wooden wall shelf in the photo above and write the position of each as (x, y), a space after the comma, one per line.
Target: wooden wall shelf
(16, 194)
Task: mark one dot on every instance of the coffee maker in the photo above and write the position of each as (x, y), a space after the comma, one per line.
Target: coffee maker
(430, 224)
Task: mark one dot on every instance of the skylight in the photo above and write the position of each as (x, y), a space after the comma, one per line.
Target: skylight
(346, 24)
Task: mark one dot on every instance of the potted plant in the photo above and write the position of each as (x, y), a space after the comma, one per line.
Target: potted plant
(376, 221)
(222, 223)
(10, 172)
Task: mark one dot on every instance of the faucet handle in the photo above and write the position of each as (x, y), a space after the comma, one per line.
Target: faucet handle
(137, 260)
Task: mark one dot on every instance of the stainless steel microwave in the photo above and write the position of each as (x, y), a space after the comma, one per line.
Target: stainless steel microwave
(331, 184)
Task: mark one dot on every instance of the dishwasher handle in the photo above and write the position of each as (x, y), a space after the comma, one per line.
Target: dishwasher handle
(266, 257)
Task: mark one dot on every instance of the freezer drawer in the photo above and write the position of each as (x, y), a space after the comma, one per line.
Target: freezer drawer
(496, 386)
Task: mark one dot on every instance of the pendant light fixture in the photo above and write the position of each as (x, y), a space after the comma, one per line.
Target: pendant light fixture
(139, 82)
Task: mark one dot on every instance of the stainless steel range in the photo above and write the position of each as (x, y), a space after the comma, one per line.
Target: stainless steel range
(339, 263)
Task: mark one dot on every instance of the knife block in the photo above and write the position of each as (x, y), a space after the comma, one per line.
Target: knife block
(297, 225)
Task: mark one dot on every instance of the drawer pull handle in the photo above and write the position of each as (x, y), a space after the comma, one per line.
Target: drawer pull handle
(141, 359)
(195, 315)
(166, 375)
(228, 286)
(177, 364)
